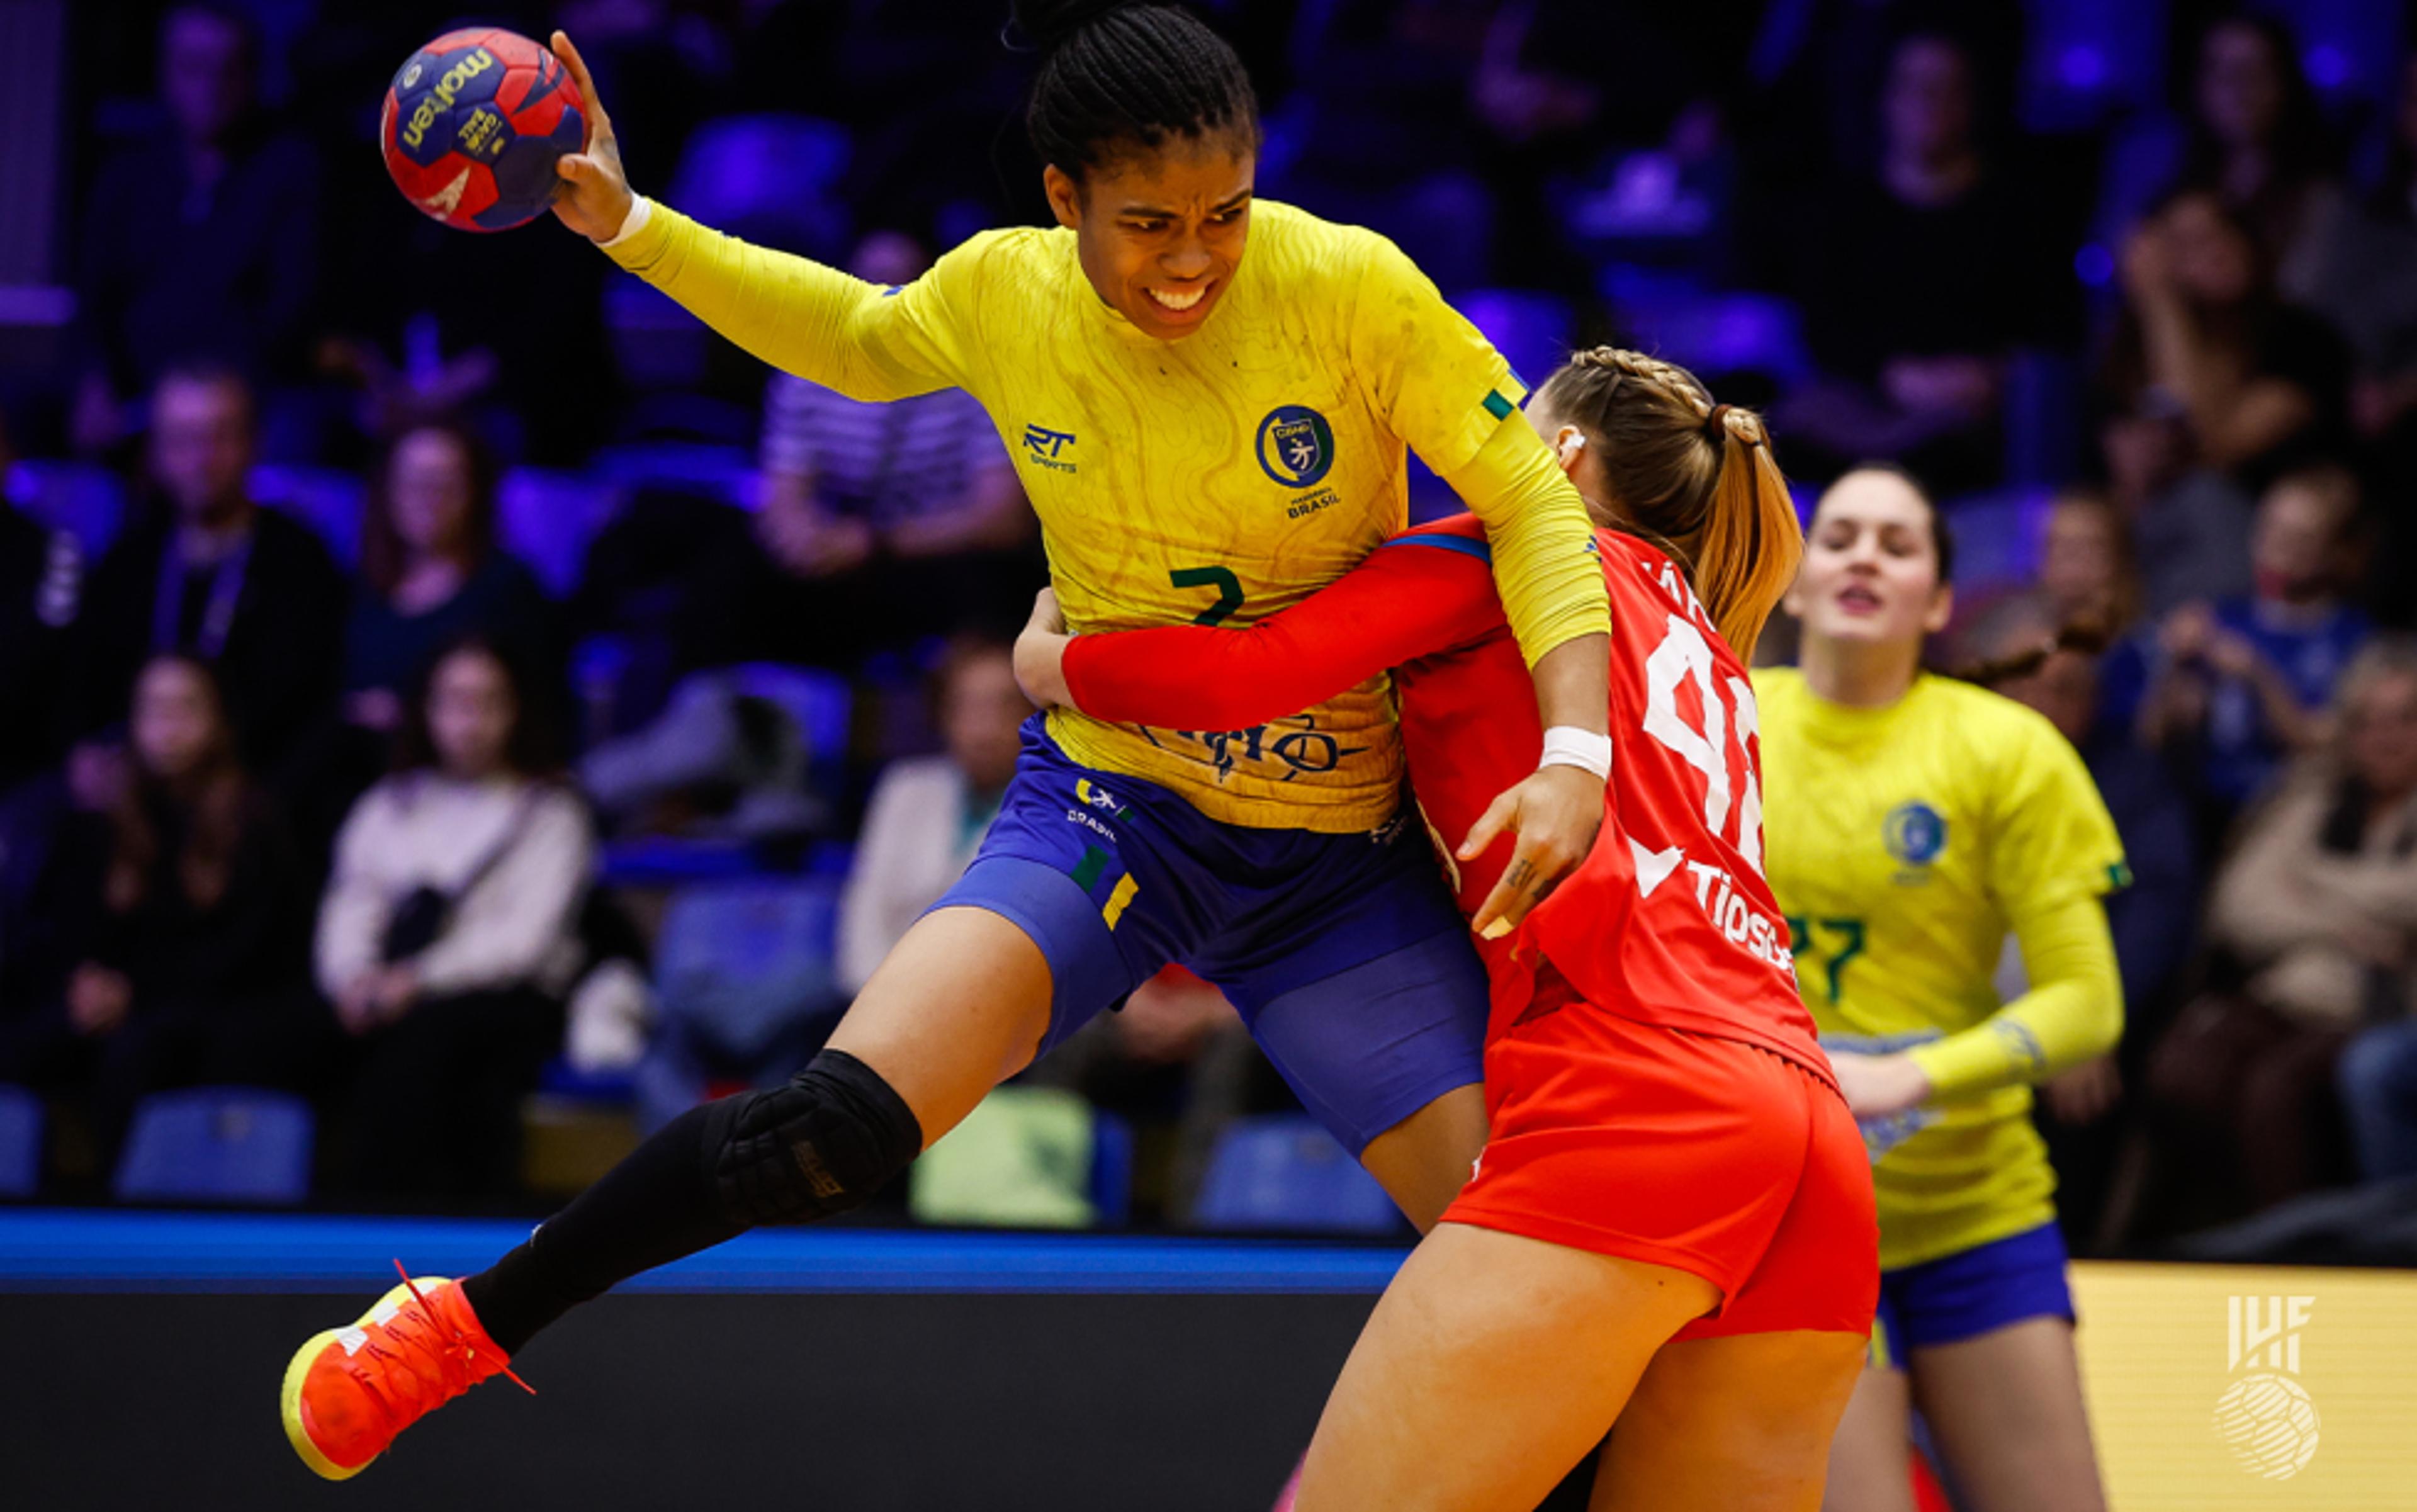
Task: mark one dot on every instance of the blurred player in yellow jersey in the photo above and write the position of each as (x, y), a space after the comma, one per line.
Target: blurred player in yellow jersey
(1911, 822)
(1210, 403)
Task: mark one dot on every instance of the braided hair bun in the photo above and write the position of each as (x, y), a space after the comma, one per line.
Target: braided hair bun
(1694, 476)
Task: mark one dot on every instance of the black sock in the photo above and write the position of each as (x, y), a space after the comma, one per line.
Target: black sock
(656, 1206)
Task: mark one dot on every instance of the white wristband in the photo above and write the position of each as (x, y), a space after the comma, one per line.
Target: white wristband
(1566, 745)
(642, 210)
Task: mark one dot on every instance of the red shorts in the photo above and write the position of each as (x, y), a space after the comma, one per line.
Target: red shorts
(1709, 1156)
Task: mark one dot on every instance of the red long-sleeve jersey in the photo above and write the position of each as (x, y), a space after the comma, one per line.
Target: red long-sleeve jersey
(1668, 920)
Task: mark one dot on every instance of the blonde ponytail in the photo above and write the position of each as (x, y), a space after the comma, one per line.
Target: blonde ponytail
(1695, 478)
(1748, 549)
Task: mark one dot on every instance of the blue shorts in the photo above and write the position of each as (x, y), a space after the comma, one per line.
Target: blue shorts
(1965, 1295)
(1343, 952)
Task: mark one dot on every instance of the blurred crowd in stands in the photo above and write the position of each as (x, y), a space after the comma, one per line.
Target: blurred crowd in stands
(436, 671)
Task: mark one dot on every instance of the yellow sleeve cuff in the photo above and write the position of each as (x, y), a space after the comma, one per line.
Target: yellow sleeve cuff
(2073, 1011)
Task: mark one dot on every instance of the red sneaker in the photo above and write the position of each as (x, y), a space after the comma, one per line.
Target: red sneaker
(349, 1391)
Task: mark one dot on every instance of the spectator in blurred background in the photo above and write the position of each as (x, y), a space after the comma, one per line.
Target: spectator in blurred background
(2152, 918)
(434, 575)
(2240, 684)
(2369, 292)
(2368, 285)
(2258, 139)
(2206, 343)
(449, 934)
(1917, 286)
(244, 589)
(41, 586)
(2374, 885)
(928, 813)
(876, 515)
(2188, 521)
(2088, 567)
(2317, 915)
(186, 920)
(202, 243)
(2253, 135)
(2090, 578)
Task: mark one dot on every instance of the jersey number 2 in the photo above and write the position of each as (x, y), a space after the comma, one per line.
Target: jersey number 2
(1685, 656)
(1228, 586)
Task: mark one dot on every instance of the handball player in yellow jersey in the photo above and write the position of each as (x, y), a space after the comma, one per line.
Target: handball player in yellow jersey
(1207, 437)
(1911, 821)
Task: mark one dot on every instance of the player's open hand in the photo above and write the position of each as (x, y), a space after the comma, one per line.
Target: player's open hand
(1555, 813)
(594, 196)
(1040, 654)
(1877, 1086)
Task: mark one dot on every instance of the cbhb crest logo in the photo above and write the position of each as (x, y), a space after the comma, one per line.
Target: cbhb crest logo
(1915, 833)
(1296, 445)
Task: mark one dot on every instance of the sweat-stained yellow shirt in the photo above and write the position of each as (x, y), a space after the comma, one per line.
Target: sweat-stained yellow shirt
(1214, 479)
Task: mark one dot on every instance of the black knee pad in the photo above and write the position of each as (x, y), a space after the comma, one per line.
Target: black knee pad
(818, 1146)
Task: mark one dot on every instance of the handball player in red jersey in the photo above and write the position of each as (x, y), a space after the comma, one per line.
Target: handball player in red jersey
(1672, 1224)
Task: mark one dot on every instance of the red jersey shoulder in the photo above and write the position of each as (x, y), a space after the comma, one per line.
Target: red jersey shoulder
(1643, 578)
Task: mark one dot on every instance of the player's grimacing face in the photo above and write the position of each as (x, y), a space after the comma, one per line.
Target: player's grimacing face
(1871, 565)
(1161, 234)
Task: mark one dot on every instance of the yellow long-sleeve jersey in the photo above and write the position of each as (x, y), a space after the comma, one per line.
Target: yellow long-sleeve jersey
(1213, 480)
(1902, 844)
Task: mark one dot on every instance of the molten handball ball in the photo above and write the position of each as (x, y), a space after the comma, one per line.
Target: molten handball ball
(473, 123)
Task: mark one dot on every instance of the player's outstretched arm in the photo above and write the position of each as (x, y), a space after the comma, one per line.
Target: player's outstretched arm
(1407, 600)
(793, 312)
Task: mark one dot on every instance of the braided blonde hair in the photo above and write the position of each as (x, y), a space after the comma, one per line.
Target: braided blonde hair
(1694, 476)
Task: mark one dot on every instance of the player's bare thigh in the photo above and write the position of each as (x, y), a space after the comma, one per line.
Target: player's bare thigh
(1871, 1458)
(959, 1005)
(1492, 1364)
(1742, 1423)
(2007, 1413)
(1423, 1161)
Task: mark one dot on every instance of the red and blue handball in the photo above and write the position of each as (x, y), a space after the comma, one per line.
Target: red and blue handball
(473, 123)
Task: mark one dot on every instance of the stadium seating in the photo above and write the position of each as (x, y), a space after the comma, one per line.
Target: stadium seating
(1532, 331)
(549, 518)
(819, 704)
(1714, 334)
(20, 1142)
(1282, 1172)
(217, 1144)
(84, 498)
(771, 178)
